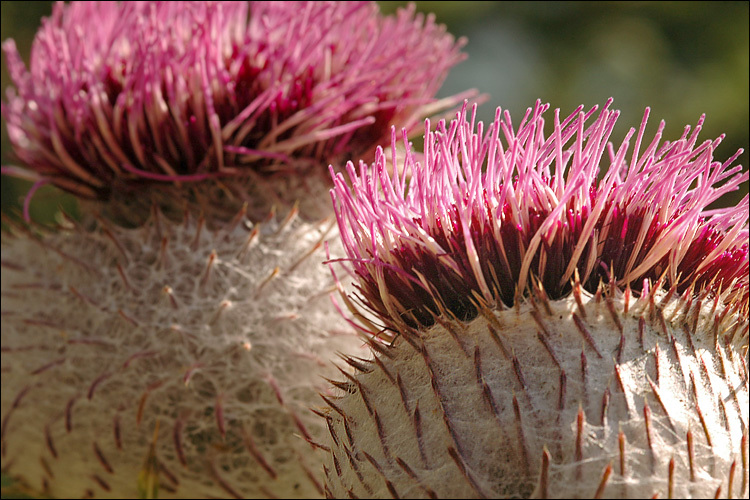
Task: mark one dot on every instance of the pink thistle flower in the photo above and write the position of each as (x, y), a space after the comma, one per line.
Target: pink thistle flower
(479, 220)
(621, 369)
(119, 95)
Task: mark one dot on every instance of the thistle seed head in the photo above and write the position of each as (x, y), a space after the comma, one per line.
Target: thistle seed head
(167, 359)
(621, 368)
(120, 96)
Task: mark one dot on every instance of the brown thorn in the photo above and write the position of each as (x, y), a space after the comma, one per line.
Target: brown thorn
(465, 473)
(101, 482)
(177, 440)
(613, 313)
(538, 320)
(605, 406)
(124, 278)
(662, 322)
(450, 326)
(50, 443)
(626, 298)
(381, 435)
(402, 392)
(659, 400)
(577, 295)
(222, 307)
(498, 341)
(517, 371)
(670, 481)
(83, 297)
(98, 380)
(355, 468)
(698, 409)
(255, 453)
(641, 328)
(162, 261)
(241, 213)
(198, 230)
(384, 369)
(649, 438)
(169, 475)
(333, 406)
(730, 485)
(117, 243)
(391, 489)
(543, 339)
(363, 394)
(251, 237)
(657, 371)
(417, 420)
(348, 432)
(409, 472)
(47, 470)
(542, 489)
(355, 363)
(127, 317)
(563, 390)
(102, 459)
(579, 441)
(69, 413)
(219, 413)
(209, 265)
(312, 478)
(603, 481)
(620, 347)
(621, 446)
(584, 374)
(586, 334)
(47, 366)
(332, 432)
(691, 455)
(223, 484)
(521, 437)
(478, 366)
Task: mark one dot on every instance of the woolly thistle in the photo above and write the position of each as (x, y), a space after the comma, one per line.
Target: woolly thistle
(121, 96)
(542, 324)
(167, 359)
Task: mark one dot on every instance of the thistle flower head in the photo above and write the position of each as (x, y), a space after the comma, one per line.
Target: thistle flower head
(120, 95)
(167, 359)
(621, 369)
(484, 214)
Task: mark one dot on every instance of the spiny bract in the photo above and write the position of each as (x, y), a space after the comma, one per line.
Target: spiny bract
(620, 368)
(168, 353)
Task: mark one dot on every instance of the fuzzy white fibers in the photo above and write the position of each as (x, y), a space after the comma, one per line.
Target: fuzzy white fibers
(534, 402)
(208, 345)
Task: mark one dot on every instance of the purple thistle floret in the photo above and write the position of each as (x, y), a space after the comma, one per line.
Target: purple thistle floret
(484, 216)
(123, 94)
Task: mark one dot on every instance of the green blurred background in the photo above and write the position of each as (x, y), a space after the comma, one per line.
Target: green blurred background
(680, 58)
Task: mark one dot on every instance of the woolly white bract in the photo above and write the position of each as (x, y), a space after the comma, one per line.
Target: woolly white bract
(209, 345)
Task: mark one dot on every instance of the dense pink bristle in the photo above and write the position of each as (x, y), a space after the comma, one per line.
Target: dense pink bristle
(122, 94)
(483, 213)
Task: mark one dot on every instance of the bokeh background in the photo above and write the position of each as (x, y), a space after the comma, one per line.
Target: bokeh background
(682, 59)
